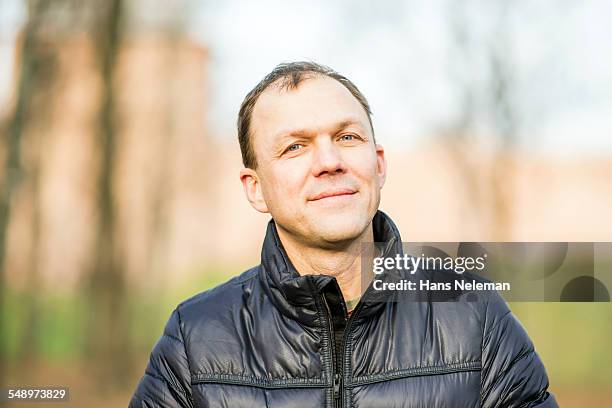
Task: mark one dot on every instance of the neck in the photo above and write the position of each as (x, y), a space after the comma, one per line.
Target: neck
(342, 262)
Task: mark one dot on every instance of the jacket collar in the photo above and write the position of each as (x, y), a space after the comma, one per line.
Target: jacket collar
(297, 296)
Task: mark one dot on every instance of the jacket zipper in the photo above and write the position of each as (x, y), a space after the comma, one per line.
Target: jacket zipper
(336, 373)
(347, 329)
(338, 390)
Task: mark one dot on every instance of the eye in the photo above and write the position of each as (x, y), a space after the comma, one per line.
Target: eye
(348, 137)
(294, 147)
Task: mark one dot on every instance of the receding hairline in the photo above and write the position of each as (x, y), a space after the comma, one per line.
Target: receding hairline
(292, 82)
(289, 76)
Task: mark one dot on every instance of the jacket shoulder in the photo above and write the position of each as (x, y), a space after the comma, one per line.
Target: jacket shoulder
(219, 297)
(213, 324)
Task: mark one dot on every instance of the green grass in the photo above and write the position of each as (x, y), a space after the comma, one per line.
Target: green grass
(61, 320)
(573, 339)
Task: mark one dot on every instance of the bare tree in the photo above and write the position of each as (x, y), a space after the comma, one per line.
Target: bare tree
(459, 135)
(490, 101)
(505, 121)
(106, 287)
(22, 140)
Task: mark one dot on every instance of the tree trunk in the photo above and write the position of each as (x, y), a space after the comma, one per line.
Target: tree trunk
(107, 335)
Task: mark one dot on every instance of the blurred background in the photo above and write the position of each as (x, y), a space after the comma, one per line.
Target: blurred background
(119, 188)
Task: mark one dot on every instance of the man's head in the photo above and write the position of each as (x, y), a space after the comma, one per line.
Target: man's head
(310, 156)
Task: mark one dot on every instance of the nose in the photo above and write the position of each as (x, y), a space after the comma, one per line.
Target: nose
(327, 159)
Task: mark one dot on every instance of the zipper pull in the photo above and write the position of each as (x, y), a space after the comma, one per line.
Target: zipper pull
(337, 381)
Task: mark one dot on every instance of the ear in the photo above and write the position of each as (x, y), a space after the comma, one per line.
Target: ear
(252, 189)
(381, 165)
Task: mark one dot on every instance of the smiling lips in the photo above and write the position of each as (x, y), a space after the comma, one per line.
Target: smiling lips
(333, 193)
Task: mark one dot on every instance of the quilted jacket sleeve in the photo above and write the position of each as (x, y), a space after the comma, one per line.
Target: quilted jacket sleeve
(512, 373)
(167, 380)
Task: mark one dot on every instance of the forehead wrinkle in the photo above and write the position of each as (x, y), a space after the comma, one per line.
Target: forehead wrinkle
(261, 116)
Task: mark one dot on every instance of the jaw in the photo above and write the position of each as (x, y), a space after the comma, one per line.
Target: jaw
(337, 224)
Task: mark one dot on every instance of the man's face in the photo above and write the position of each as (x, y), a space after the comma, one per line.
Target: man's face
(319, 172)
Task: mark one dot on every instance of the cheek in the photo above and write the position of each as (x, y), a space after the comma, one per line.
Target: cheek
(288, 182)
(365, 166)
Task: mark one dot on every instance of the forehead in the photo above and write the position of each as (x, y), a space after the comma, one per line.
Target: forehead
(318, 103)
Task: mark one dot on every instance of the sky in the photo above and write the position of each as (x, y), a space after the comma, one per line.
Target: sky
(404, 57)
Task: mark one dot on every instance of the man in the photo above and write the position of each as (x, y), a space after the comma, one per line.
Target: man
(292, 332)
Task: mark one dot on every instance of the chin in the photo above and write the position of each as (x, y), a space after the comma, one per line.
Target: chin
(340, 227)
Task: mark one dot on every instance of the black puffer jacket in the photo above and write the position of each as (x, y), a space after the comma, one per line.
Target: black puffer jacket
(273, 338)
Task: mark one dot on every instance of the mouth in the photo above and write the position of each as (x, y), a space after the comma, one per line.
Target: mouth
(333, 193)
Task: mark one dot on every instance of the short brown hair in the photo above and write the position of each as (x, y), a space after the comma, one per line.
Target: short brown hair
(290, 75)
